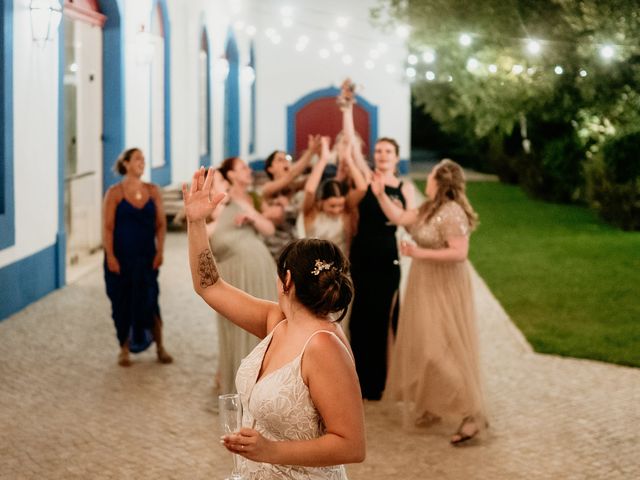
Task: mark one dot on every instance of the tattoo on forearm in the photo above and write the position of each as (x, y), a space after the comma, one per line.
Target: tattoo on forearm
(207, 269)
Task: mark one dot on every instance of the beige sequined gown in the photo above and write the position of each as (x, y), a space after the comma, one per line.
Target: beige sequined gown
(244, 262)
(435, 368)
(279, 406)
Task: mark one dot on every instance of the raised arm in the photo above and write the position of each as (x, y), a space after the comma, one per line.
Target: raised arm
(395, 213)
(252, 314)
(311, 185)
(272, 187)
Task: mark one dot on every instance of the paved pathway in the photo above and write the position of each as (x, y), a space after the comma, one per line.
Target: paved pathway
(67, 411)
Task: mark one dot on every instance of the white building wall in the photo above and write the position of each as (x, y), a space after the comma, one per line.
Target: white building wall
(35, 163)
(284, 75)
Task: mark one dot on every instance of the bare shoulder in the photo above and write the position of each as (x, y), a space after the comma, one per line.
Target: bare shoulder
(326, 348)
(153, 189)
(114, 193)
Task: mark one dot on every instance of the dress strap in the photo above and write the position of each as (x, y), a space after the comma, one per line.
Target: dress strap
(330, 333)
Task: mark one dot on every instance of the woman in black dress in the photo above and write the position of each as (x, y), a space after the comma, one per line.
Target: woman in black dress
(375, 270)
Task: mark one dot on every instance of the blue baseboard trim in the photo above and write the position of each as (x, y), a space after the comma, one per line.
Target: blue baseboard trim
(257, 165)
(61, 259)
(28, 280)
(403, 166)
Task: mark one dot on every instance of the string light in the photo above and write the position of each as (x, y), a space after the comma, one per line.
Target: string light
(430, 76)
(533, 47)
(558, 70)
(583, 73)
(342, 22)
(465, 40)
(517, 69)
(403, 31)
(429, 56)
(607, 52)
(411, 72)
(493, 68)
(412, 59)
(369, 64)
(472, 64)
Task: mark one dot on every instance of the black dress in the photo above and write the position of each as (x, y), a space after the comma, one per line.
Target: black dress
(134, 292)
(375, 270)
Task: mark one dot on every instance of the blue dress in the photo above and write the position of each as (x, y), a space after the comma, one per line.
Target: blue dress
(134, 292)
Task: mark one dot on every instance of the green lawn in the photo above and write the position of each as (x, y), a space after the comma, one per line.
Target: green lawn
(569, 281)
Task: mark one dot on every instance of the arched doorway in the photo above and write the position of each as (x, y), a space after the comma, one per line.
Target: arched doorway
(317, 113)
(82, 129)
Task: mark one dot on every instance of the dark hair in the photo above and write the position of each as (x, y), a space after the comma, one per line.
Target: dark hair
(330, 188)
(227, 165)
(269, 161)
(124, 157)
(392, 142)
(320, 273)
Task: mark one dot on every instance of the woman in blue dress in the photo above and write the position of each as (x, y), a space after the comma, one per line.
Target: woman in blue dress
(134, 227)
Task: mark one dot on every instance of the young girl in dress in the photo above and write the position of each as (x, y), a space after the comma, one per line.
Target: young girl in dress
(324, 208)
(435, 369)
(302, 413)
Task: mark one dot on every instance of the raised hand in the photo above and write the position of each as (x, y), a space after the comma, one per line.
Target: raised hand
(200, 199)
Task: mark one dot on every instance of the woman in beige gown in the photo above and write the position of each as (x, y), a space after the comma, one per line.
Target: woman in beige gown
(435, 370)
(244, 261)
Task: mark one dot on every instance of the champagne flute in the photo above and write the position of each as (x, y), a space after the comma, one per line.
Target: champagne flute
(230, 414)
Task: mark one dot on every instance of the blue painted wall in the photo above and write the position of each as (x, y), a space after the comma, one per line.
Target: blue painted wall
(252, 124)
(113, 99)
(205, 160)
(7, 208)
(232, 99)
(162, 175)
(27, 280)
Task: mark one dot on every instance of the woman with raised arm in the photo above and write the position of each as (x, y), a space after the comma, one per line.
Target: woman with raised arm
(243, 259)
(133, 231)
(435, 367)
(280, 194)
(375, 267)
(302, 413)
(324, 207)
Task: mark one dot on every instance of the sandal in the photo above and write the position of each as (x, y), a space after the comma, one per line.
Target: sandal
(464, 435)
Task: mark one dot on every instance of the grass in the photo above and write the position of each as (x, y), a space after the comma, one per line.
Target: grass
(569, 281)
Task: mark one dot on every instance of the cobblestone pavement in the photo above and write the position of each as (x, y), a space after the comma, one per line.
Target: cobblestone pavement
(67, 411)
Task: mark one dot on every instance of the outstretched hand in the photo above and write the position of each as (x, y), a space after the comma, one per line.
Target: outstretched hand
(200, 199)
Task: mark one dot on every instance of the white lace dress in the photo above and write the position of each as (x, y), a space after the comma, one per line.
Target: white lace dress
(279, 406)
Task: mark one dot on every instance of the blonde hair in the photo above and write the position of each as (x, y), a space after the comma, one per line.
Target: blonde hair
(451, 187)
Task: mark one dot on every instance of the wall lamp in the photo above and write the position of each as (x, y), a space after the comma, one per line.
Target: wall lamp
(45, 19)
